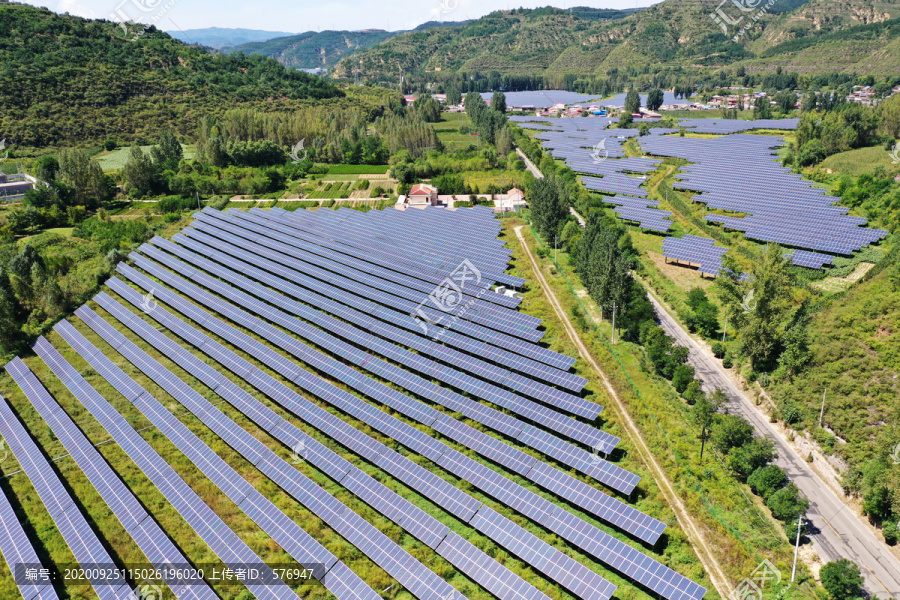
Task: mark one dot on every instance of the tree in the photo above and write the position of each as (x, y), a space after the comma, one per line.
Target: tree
(787, 504)
(9, 324)
(427, 108)
(453, 96)
(731, 431)
(753, 455)
(548, 207)
(682, 377)
(625, 120)
(706, 410)
(654, 99)
(842, 579)
(168, 153)
(138, 171)
(498, 102)
(20, 271)
(46, 168)
(632, 101)
(75, 170)
(767, 480)
(704, 315)
(758, 307)
(693, 391)
(889, 111)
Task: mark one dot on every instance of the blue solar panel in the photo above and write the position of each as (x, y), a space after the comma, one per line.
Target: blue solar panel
(78, 535)
(146, 532)
(17, 550)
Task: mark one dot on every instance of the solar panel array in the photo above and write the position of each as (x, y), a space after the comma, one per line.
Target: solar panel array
(86, 547)
(328, 297)
(587, 146)
(541, 98)
(740, 174)
(18, 550)
(695, 250)
(813, 260)
(729, 126)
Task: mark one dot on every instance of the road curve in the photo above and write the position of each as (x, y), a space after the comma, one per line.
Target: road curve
(835, 529)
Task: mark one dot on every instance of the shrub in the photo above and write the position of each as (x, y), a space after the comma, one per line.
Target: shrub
(363, 184)
(841, 579)
(377, 191)
(109, 145)
(790, 412)
(727, 362)
(718, 349)
(891, 533)
(787, 504)
(693, 392)
(682, 377)
(731, 431)
(753, 455)
(767, 480)
(171, 217)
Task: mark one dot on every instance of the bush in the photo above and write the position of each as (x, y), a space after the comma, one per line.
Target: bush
(171, 217)
(765, 481)
(787, 504)
(727, 362)
(718, 349)
(755, 454)
(693, 392)
(377, 191)
(363, 184)
(731, 431)
(109, 145)
(891, 533)
(790, 530)
(682, 377)
(790, 412)
(841, 579)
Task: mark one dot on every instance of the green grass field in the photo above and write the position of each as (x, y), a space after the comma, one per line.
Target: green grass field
(358, 169)
(862, 161)
(115, 160)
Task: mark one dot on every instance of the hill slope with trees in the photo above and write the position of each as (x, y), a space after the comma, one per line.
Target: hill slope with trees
(673, 33)
(68, 80)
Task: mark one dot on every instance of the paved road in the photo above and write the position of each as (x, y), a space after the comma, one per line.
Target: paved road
(530, 165)
(835, 529)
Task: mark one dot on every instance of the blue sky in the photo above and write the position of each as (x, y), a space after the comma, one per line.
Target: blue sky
(304, 15)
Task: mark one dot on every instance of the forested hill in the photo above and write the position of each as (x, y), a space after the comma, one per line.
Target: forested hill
(68, 80)
(323, 49)
(314, 49)
(853, 34)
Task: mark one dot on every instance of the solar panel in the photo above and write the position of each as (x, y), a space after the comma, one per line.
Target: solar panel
(146, 532)
(543, 557)
(78, 535)
(504, 584)
(17, 550)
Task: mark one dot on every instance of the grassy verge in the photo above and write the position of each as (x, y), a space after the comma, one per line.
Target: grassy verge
(739, 527)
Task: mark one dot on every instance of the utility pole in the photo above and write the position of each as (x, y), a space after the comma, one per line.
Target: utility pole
(725, 329)
(614, 325)
(198, 201)
(796, 548)
(822, 411)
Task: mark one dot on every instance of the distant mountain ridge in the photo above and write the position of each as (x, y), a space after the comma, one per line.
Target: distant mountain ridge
(324, 49)
(672, 33)
(223, 37)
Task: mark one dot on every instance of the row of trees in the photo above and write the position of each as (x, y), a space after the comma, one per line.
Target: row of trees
(821, 134)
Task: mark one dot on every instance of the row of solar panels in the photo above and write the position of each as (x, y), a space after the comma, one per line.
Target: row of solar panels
(457, 463)
(739, 173)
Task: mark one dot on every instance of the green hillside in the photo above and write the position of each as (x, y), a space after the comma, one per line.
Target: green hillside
(673, 33)
(68, 80)
(314, 49)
